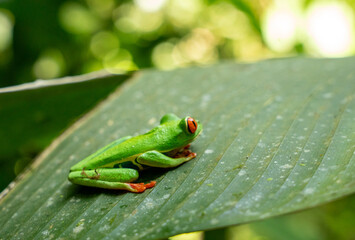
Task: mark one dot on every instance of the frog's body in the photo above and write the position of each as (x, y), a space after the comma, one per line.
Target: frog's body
(116, 165)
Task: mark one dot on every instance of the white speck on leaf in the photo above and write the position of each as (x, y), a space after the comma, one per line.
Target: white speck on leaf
(79, 227)
(208, 151)
(286, 166)
(110, 122)
(327, 95)
(242, 172)
(308, 191)
(150, 203)
(214, 221)
(45, 233)
(205, 99)
(50, 202)
(261, 144)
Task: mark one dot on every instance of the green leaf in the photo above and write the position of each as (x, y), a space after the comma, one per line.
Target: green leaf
(279, 137)
(35, 113)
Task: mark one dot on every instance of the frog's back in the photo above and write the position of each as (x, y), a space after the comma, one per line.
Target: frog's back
(125, 153)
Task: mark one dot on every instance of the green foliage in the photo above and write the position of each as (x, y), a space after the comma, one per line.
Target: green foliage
(60, 38)
(278, 137)
(34, 114)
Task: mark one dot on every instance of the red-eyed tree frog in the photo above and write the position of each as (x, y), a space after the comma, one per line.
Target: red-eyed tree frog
(116, 165)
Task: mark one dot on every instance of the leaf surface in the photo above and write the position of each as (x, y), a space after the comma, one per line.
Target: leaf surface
(279, 136)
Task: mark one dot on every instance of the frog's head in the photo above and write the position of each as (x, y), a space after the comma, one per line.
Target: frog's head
(191, 128)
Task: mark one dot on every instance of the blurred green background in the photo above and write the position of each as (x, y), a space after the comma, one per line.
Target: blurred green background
(51, 39)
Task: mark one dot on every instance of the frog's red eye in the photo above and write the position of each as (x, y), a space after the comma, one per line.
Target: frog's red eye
(191, 125)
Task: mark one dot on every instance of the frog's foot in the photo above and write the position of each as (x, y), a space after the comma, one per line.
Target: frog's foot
(187, 146)
(185, 154)
(178, 151)
(141, 187)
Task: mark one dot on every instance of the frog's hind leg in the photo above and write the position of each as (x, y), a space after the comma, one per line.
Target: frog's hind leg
(110, 178)
(84, 162)
(111, 145)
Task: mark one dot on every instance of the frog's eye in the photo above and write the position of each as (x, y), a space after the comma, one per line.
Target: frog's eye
(191, 125)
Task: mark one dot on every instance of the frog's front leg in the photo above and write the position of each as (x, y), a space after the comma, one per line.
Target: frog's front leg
(157, 159)
(110, 178)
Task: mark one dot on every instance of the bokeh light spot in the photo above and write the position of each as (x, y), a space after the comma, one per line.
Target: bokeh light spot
(162, 56)
(198, 47)
(132, 19)
(77, 19)
(330, 29)
(49, 65)
(6, 25)
(150, 5)
(119, 61)
(226, 21)
(184, 14)
(102, 43)
(102, 7)
(280, 27)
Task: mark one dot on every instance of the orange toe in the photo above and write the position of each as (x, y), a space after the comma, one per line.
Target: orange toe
(139, 187)
(151, 184)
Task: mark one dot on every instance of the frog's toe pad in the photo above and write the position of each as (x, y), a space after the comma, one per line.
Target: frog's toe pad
(141, 187)
(187, 146)
(185, 154)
